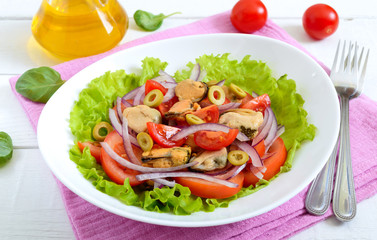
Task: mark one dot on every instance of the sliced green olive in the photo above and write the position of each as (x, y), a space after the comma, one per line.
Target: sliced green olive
(145, 141)
(153, 98)
(212, 83)
(237, 157)
(192, 119)
(236, 90)
(216, 95)
(101, 130)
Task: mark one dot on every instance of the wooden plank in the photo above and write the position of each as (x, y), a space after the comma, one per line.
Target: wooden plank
(31, 205)
(21, 9)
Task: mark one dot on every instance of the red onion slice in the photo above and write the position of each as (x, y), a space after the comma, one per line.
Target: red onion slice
(221, 83)
(147, 176)
(262, 169)
(195, 72)
(202, 75)
(267, 155)
(273, 130)
(139, 96)
(126, 103)
(127, 143)
(279, 132)
(256, 172)
(169, 94)
(254, 94)
(119, 109)
(232, 172)
(265, 128)
(167, 77)
(128, 164)
(253, 154)
(164, 182)
(226, 107)
(115, 121)
(239, 169)
(131, 94)
(206, 127)
(118, 127)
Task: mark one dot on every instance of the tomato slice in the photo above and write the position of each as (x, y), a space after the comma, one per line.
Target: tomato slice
(113, 169)
(165, 107)
(260, 148)
(152, 85)
(272, 163)
(206, 189)
(161, 134)
(211, 140)
(209, 114)
(94, 147)
(258, 104)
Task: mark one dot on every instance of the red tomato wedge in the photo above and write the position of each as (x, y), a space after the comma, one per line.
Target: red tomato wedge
(113, 169)
(94, 147)
(209, 114)
(152, 85)
(212, 141)
(164, 107)
(272, 163)
(161, 135)
(206, 189)
(258, 104)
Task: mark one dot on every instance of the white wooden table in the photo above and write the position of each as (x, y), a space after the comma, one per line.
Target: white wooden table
(30, 202)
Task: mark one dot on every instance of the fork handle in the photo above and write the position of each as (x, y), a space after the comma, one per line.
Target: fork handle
(318, 197)
(344, 200)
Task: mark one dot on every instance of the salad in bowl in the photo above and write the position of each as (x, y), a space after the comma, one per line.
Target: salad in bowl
(189, 141)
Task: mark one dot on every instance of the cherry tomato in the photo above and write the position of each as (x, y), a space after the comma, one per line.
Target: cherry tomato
(212, 141)
(272, 163)
(258, 104)
(152, 85)
(209, 114)
(161, 134)
(320, 21)
(94, 148)
(206, 189)
(248, 16)
(113, 169)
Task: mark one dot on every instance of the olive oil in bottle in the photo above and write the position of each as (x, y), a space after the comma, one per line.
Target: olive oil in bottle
(79, 28)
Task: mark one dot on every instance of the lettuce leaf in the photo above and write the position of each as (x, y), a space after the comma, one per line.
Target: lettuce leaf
(251, 75)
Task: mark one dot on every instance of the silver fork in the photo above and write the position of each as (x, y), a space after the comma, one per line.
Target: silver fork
(348, 83)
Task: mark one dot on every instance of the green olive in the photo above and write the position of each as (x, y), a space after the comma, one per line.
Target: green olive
(236, 90)
(145, 141)
(220, 98)
(212, 83)
(101, 130)
(153, 98)
(237, 157)
(193, 120)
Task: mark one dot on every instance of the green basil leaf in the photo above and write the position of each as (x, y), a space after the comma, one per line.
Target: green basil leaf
(39, 84)
(148, 21)
(6, 148)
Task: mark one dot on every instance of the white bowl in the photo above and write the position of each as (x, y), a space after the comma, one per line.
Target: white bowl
(321, 103)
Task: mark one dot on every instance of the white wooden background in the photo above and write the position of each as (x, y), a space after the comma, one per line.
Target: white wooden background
(30, 212)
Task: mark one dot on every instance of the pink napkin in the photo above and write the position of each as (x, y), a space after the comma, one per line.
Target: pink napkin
(91, 222)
